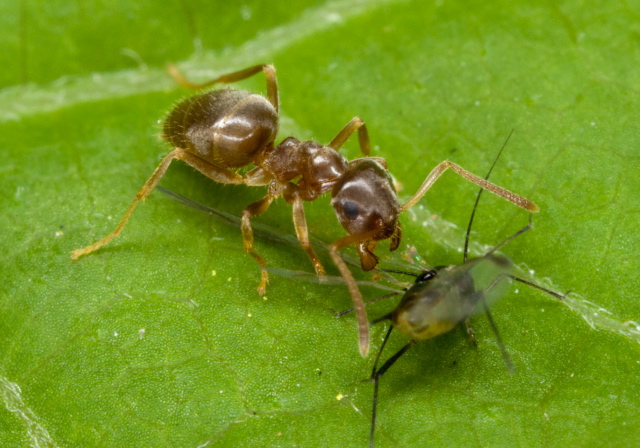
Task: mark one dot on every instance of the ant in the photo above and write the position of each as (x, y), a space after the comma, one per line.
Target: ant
(443, 297)
(220, 131)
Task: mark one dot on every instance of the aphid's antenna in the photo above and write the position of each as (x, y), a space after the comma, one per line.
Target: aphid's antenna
(475, 206)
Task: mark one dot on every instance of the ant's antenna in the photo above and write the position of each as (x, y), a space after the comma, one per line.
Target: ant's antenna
(475, 206)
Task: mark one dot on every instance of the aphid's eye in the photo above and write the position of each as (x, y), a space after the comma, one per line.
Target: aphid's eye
(426, 276)
(351, 210)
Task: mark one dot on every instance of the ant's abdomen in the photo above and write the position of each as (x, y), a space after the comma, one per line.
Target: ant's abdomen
(225, 127)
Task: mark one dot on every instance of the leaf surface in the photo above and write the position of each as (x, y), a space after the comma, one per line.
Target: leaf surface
(160, 339)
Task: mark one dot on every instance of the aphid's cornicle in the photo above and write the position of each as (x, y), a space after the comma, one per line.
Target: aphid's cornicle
(219, 131)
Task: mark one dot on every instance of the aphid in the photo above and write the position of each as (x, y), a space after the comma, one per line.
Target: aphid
(444, 297)
(220, 131)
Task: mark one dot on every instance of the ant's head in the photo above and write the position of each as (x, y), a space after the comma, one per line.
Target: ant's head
(365, 201)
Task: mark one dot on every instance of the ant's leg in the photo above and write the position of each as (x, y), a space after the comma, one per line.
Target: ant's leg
(345, 133)
(269, 73)
(302, 232)
(257, 177)
(257, 208)
(443, 166)
(211, 171)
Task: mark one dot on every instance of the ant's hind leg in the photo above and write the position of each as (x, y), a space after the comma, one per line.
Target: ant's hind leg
(257, 208)
(443, 166)
(211, 171)
(302, 232)
(269, 73)
(363, 136)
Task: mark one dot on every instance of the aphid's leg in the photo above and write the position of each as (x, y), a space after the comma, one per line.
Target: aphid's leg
(345, 133)
(443, 166)
(387, 365)
(356, 296)
(471, 333)
(494, 327)
(302, 232)
(384, 343)
(269, 73)
(257, 208)
(211, 171)
(540, 288)
(515, 235)
(376, 379)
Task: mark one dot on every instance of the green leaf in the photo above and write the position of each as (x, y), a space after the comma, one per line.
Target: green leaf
(160, 339)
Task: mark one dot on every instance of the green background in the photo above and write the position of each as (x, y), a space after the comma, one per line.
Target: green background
(140, 345)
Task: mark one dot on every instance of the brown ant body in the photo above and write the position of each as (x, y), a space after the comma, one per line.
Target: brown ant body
(220, 131)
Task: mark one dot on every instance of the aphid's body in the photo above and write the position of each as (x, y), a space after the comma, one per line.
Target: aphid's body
(434, 306)
(220, 131)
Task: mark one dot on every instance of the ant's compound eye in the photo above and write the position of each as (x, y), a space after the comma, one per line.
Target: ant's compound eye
(351, 210)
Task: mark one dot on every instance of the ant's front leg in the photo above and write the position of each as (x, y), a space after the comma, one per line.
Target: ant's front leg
(292, 195)
(352, 286)
(269, 73)
(445, 165)
(363, 136)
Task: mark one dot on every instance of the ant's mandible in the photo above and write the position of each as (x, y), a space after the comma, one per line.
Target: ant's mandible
(220, 131)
